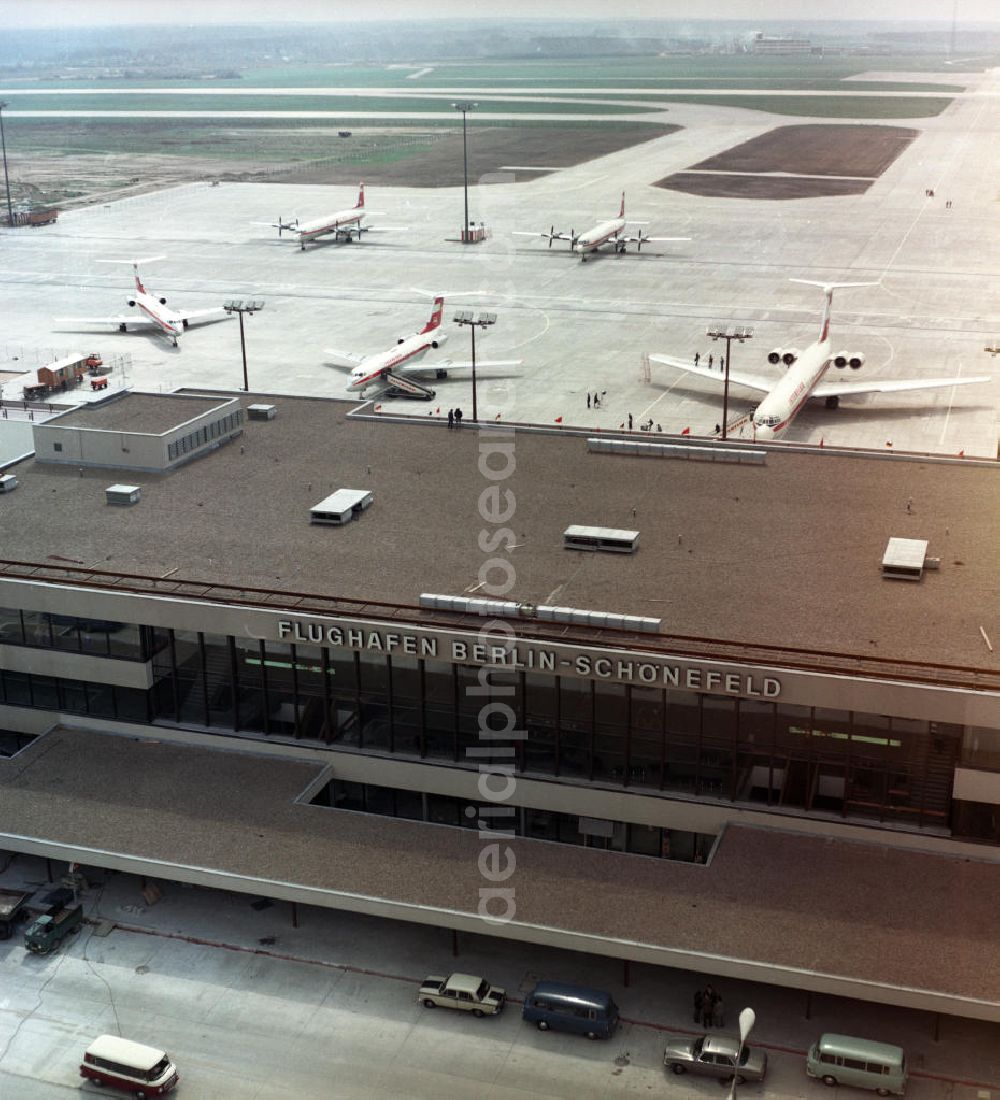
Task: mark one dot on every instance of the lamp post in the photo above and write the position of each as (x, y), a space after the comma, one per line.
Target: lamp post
(740, 333)
(747, 1019)
(6, 177)
(465, 106)
(239, 307)
(484, 320)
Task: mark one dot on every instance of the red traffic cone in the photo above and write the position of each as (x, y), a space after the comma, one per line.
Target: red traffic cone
(687, 431)
(558, 419)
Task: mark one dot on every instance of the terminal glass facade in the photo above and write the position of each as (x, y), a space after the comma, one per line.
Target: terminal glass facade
(578, 731)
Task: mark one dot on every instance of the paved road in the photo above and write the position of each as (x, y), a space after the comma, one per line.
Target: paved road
(329, 1009)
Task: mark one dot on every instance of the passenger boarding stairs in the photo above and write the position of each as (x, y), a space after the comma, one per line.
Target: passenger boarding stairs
(398, 386)
(740, 428)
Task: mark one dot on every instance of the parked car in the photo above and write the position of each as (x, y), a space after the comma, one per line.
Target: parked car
(464, 991)
(590, 1012)
(863, 1064)
(133, 1067)
(47, 932)
(715, 1056)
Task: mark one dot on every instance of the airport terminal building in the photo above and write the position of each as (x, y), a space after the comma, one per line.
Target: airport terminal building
(660, 674)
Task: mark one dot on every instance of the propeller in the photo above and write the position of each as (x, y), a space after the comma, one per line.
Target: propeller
(281, 226)
(552, 233)
(573, 238)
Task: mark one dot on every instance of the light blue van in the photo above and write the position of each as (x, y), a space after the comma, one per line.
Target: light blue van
(860, 1063)
(589, 1012)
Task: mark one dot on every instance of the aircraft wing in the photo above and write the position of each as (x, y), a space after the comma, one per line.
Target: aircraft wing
(386, 228)
(752, 381)
(132, 320)
(646, 240)
(844, 389)
(348, 359)
(450, 364)
(548, 236)
(201, 316)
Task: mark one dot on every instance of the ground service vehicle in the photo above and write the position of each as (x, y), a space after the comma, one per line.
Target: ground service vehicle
(589, 1012)
(143, 1071)
(11, 906)
(861, 1063)
(715, 1056)
(47, 932)
(464, 991)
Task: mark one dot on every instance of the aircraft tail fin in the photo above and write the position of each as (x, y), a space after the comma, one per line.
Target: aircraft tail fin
(140, 289)
(359, 205)
(828, 289)
(435, 320)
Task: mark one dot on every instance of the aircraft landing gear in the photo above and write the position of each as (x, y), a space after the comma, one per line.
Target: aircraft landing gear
(832, 402)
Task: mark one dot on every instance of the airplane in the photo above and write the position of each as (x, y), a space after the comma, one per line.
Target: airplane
(805, 370)
(345, 225)
(394, 368)
(609, 232)
(170, 322)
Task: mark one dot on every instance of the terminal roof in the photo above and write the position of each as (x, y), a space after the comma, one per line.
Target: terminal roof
(784, 554)
(922, 924)
(138, 412)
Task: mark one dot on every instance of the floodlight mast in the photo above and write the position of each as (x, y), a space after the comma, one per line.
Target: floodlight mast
(729, 333)
(6, 177)
(465, 106)
(484, 320)
(239, 307)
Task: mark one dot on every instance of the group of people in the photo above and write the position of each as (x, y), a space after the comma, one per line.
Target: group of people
(595, 399)
(710, 360)
(708, 1009)
(454, 418)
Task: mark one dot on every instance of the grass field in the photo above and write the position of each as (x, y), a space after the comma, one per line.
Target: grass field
(693, 70)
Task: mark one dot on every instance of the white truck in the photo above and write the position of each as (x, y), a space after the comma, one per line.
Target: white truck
(464, 991)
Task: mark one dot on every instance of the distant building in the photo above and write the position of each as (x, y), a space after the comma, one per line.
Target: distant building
(762, 43)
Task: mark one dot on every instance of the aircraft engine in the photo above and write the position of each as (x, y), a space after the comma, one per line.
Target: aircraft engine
(442, 338)
(774, 356)
(401, 339)
(840, 359)
(856, 360)
(163, 301)
(790, 356)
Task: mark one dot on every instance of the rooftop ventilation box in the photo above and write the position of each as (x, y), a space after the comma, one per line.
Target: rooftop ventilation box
(577, 537)
(123, 494)
(261, 412)
(906, 559)
(8, 483)
(341, 507)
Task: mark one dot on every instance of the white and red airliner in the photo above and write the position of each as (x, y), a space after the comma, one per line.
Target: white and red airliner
(344, 226)
(396, 366)
(610, 232)
(803, 377)
(171, 322)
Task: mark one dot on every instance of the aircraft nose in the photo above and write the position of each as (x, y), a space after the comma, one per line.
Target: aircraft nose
(762, 431)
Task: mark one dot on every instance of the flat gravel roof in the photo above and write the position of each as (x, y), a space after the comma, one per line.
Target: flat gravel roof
(853, 911)
(138, 412)
(788, 553)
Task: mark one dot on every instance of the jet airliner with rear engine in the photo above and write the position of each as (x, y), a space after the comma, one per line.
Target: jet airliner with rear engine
(344, 226)
(612, 232)
(395, 368)
(803, 377)
(152, 310)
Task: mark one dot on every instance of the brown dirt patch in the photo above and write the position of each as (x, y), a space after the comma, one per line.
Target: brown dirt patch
(817, 150)
(760, 187)
(438, 162)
